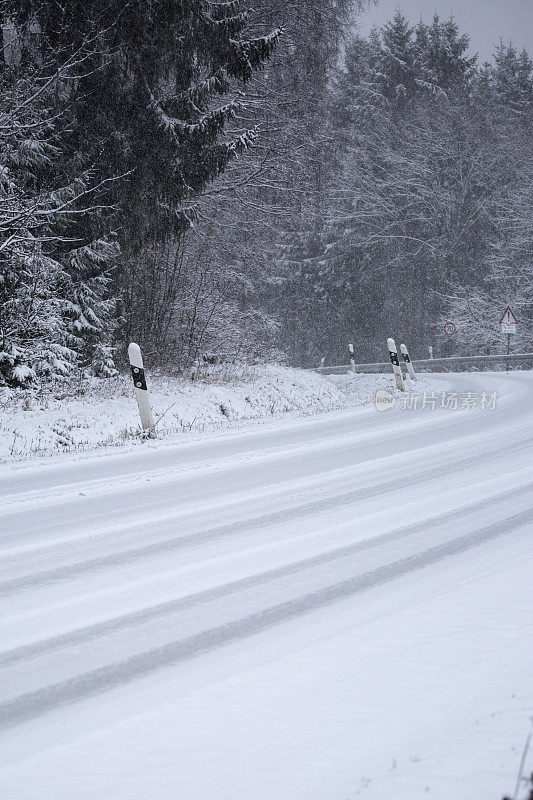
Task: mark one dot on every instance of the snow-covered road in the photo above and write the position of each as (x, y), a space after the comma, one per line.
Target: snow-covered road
(321, 609)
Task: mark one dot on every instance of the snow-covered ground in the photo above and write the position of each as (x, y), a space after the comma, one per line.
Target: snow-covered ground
(103, 413)
(320, 609)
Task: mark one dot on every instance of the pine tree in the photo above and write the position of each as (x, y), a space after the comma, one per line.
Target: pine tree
(150, 96)
(259, 214)
(427, 207)
(39, 217)
(513, 86)
(442, 56)
(398, 63)
(159, 83)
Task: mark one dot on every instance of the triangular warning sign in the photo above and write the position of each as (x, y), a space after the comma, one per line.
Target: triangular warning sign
(508, 317)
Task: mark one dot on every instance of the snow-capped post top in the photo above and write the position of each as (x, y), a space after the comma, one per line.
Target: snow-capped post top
(135, 355)
(408, 362)
(139, 383)
(393, 352)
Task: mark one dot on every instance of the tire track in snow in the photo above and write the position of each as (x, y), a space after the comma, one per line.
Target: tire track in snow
(176, 543)
(457, 425)
(93, 632)
(34, 704)
(32, 537)
(118, 468)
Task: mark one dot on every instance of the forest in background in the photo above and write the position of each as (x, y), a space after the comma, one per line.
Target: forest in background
(218, 182)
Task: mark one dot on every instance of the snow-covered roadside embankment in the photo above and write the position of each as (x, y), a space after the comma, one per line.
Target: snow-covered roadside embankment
(103, 413)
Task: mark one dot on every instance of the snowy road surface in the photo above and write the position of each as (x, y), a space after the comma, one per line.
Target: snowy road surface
(325, 609)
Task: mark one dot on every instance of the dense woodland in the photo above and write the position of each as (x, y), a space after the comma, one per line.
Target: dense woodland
(222, 182)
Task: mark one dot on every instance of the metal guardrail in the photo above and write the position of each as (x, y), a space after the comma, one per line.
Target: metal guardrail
(437, 364)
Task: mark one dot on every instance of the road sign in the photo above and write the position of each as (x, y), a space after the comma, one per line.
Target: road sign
(508, 318)
(450, 329)
(508, 322)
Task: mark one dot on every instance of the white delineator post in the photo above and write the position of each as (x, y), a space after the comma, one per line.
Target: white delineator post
(408, 362)
(391, 344)
(352, 359)
(139, 382)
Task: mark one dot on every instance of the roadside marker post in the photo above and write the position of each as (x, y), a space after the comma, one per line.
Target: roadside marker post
(352, 357)
(393, 352)
(139, 383)
(408, 362)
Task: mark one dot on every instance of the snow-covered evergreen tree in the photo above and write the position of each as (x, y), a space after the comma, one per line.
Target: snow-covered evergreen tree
(427, 205)
(153, 99)
(40, 334)
(146, 107)
(398, 70)
(442, 56)
(512, 80)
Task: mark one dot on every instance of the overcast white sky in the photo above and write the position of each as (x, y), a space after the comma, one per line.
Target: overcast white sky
(484, 20)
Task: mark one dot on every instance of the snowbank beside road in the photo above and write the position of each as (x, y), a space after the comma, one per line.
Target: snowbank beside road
(103, 413)
(360, 390)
